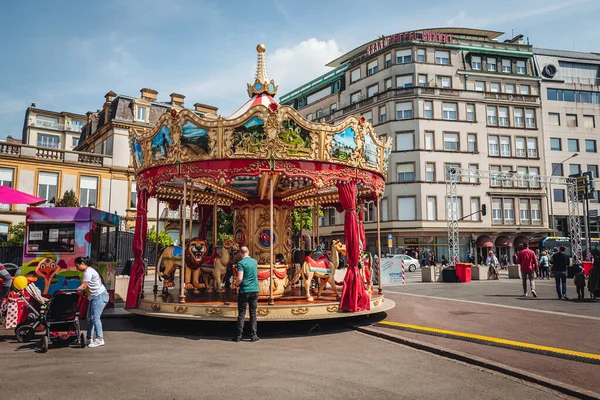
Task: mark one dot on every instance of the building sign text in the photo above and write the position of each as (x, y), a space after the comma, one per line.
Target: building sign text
(426, 36)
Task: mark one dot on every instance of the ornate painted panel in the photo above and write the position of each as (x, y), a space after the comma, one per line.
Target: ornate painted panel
(344, 144)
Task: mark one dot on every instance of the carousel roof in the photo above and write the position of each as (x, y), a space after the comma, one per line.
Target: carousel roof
(262, 144)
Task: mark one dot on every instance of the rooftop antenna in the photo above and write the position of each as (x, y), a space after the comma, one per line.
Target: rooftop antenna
(527, 40)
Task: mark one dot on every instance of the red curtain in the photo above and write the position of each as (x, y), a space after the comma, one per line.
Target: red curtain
(136, 278)
(363, 237)
(204, 213)
(354, 294)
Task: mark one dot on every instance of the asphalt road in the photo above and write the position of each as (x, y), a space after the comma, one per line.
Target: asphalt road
(160, 359)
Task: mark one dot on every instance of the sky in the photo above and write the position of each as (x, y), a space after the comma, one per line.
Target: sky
(66, 55)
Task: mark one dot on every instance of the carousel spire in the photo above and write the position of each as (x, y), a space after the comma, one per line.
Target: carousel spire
(261, 81)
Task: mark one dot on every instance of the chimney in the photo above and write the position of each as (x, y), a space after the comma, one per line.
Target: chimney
(110, 96)
(206, 109)
(33, 105)
(177, 99)
(149, 94)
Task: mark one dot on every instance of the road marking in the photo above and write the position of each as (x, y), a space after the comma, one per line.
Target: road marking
(563, 314)
(496, 341)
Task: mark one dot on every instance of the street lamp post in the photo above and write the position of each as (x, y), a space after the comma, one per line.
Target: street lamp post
(549, 188)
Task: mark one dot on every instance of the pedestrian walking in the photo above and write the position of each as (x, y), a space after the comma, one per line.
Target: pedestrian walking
(91, 284)
(537, 268)
(594, 279)
(527, 260)
(544, 264)
(444, 261)
(560, 263)
(492, 263)
(514, 258)
(6, 282)
(247, 283)
(579, 281)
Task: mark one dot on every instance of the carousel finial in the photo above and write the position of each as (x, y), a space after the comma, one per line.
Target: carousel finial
(261, 81)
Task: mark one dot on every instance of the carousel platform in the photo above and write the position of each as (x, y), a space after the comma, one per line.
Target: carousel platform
(222, 306)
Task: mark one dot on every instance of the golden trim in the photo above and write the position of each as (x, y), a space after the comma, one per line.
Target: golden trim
(333, 309)
(180, 309)
(376, 303)
(299, 311)
(214, 311)
(263, 312)
(155, 307)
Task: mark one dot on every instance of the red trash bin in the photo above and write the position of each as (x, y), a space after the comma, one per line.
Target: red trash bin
(587, 267)
(463, 271)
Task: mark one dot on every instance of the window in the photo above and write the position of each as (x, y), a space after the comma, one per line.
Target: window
(522, 182)
(480, 86)
(520, 146)
(590, 146)
(505, 146)
(47, 185)
(133, 198)
(355, 97)
(492, 118)
(494, 87)
(384, 209)
(524, 216)
(88, 191)
(74, 141)
(574, 169)
(442, 57)
(403, 56)
(50, 141)
(491, 64)
(355, 75)
(369, 213)
(48, 122)
(509, 211)
(506, 172)
(470, 112)
(503, 116)
(494, 175)
(372, 90)
(572, 120)
(450, 111)
(472, 142)
(524, 89)
(535, 173)
(573, 145)
(404, 110)
(430, 172)
(521, 69)
(6, 179)
(316, 96)
(451, 141)
(532, 148)
(372, 68)
(382, 115)
(536, 211)
(456, 206)
(429, 141)
(333, 108)
(473, 168)
(406, 172)
(519, 121)
(559, 195)
(555, 144)
(368, 116)
(43, 237)
(493, 146)
(405, 141)
(509, 88)
(475, 62)
(593, 169)
(428, 109)
(422, 80)
(444, 82)
(497, 211)
(588, 121)
(431, 208)
(421, 55)
(388, 83)
(407, 207)
(449, 168)
(475, 207)
(554, 119)
(530, 118)
(4, 228)
(388, 60)
(557, 169)
(310, 117)
(404, 81)
(506, 65)
(141, 113)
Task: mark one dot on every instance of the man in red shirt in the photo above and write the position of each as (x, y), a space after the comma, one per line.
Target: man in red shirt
(528, 261)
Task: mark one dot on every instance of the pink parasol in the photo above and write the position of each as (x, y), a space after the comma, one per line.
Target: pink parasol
(9, 195)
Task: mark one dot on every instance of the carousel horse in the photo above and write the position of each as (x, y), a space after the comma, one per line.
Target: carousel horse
(215, 267)
(170, 260)
(321, 268)
(367, 270)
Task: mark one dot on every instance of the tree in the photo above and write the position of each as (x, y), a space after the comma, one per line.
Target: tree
(224, 227)
(164, 239)
(17, 235)
(68, 200)
(307, 215)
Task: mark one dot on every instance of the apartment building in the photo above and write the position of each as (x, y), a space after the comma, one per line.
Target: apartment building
(449, 97)
(51, 129)
(570, 92)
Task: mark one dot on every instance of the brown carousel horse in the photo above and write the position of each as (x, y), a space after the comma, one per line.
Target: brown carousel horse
(170, 260)
(215, 267)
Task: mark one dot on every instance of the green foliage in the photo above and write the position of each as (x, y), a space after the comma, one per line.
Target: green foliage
(69, 199)
(306, 220)
(224, 227)
(16, 234)
(164, 239)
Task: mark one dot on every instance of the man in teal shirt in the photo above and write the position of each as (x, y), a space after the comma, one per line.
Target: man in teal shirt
(247, 283)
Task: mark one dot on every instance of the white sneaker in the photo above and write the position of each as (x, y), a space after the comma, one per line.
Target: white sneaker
(97, 343)
(88, 342)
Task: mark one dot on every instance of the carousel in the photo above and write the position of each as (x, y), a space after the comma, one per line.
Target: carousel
(260, 164)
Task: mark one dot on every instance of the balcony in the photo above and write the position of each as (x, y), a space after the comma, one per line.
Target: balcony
(13, 150)
(56, 126)
(173, 215)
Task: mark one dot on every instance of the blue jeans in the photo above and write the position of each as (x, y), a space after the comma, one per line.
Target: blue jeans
(95, 309)
(560, 278)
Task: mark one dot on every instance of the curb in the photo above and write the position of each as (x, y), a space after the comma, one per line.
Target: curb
(480, 362)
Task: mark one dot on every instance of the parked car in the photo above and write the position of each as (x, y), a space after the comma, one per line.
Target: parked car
(410, 263)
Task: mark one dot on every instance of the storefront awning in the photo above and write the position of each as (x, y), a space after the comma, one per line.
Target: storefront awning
(484, 241)
(519, 240)
(503, 241)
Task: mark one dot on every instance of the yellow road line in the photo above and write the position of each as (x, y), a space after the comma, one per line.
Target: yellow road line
(491, 339)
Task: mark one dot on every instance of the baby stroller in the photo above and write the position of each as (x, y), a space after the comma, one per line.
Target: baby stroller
(59, 315)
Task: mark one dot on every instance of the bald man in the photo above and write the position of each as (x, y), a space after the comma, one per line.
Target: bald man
(247, 282)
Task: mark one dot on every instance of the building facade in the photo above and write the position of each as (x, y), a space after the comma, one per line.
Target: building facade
(51, 129)
(449, 98)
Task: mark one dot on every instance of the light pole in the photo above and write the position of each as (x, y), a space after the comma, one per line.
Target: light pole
(549, 188)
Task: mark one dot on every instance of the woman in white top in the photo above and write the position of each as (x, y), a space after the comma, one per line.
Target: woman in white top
(492, 263)
(91, 283)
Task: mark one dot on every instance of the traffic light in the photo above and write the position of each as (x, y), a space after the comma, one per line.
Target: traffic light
(483, 209)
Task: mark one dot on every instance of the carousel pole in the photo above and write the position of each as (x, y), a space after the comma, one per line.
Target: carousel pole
(215, 221)
(183, 212)
(191, 208)
(317, 220)
(271, 213)
(301, 241)
(379, 244)
(157, 267)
